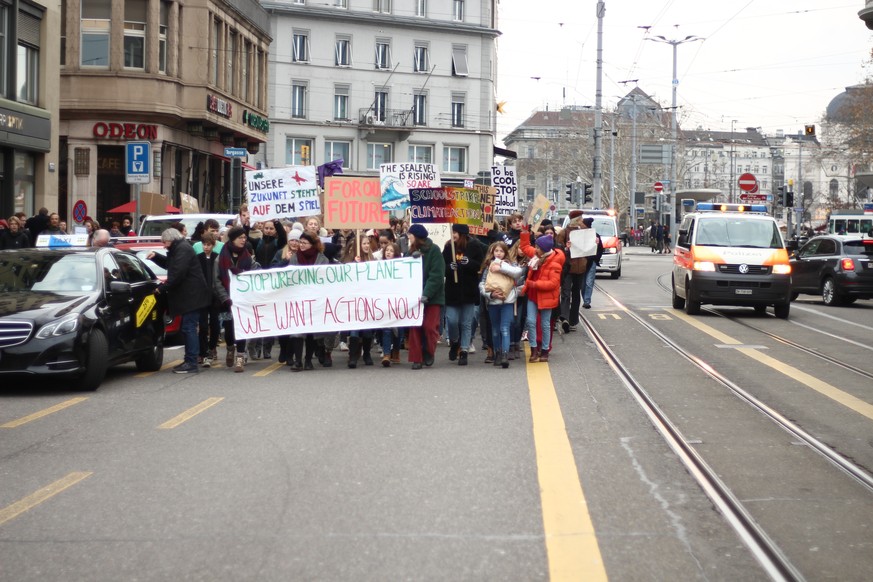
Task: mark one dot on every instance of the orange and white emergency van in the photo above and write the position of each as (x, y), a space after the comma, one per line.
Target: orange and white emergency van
(731, 254)
(606, 226)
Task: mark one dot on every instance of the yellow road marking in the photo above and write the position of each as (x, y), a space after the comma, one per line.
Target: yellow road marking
(45, 412)
(269, 369)
(571, 543)
(820, 386)
(172, 364)
(191, 413)
(12, 511)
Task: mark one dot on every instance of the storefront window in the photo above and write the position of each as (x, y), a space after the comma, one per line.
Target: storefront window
(24, 180)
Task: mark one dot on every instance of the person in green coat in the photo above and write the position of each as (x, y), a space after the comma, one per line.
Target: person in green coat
(423, 340)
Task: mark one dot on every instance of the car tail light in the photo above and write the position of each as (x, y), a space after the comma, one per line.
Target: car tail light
(847, 264)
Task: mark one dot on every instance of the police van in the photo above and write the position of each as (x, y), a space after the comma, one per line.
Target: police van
(731, 254)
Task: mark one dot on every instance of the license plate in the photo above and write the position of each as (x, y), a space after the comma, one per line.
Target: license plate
(743, 291)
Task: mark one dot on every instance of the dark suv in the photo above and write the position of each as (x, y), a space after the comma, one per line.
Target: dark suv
(838, 268)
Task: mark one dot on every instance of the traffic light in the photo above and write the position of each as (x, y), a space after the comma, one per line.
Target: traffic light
(655, 202)
(789, 200)
(780, 197)
(809, 129)
(569, 197)
(586, 189)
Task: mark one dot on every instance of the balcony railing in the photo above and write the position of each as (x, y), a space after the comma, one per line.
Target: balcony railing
(387, 117)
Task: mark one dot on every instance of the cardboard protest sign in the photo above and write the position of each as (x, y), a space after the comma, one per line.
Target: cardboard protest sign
(152, 203)
(353, 203)
(471, 206)
(582, 243)
(439, 233)
(537, 211)
(503, 178)
(282, 192)
(190, 205)
(327, 298)
(397, 179)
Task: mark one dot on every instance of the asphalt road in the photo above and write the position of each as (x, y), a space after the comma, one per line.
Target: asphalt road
(532, 473)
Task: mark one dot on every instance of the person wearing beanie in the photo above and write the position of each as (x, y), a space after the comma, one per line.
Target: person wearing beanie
(310, 251)
(235, 257)
(462, 290)
(591, 267)
(281, 259)
(543, 290)
(573, 278)
(423, 340)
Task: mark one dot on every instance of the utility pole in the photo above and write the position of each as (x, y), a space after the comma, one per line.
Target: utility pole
(671, 195)
(598, 112)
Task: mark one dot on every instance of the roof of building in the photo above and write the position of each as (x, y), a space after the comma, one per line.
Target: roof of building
(749, 136)
(838, 109)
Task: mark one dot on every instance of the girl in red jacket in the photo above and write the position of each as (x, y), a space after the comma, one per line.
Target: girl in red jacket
(543, 289)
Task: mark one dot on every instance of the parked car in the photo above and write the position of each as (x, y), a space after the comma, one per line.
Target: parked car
(72, 313)
(838, 268)
(172, 325)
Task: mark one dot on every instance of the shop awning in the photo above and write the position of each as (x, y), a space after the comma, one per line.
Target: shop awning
(130, 208)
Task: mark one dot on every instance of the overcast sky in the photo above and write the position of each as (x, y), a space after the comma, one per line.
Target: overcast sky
(773, 64)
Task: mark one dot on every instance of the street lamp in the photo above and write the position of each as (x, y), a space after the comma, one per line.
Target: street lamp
(671, 198)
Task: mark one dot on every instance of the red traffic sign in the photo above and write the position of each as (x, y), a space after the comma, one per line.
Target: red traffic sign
(80, 211)
(747, 182)
(658, 187)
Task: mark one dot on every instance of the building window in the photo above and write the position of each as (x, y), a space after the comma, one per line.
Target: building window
(301, 47)
(134, 33)
(419, 109)
(338, 150)
(455, 159)
(162, 38)
(28, 74)
(95, 24)
(531, 194)
(230, 64)
(380, 105)
(378, 154)
(244, 71)
(383, 6)
(419, 59)
(343, 52)
(296, 150)
(421, 7)
(458, 10)
(459, 61)
(341, 103)
(764, 169)
(216, 49)
(298, 100)
(531, 152)
(458, 110)
(421, 154)
(341, 3)
(383, 54)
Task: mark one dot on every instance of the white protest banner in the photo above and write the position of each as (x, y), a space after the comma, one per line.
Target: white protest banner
(503, 178)
(582, 243)
(282, 192)
(327, 298)
(397, 179)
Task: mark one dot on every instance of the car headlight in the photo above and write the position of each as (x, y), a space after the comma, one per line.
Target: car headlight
(610, 250)
(781, 269)
(56, 328)
(704, 266)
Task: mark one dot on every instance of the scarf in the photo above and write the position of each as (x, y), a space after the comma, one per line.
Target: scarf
(307, 257)
(232, 262)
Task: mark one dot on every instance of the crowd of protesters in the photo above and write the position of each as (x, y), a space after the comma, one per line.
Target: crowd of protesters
(511, 285)
(20, 232)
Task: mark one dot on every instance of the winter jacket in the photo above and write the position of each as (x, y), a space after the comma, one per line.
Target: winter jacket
(543, 285)
(433, 273)
(512, 271)
(186, 287)
(217, 292)
(466, 290)
(19, 240)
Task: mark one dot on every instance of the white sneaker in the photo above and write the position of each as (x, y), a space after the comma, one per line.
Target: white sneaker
(343, 347)
(472, 349)
(207, 362)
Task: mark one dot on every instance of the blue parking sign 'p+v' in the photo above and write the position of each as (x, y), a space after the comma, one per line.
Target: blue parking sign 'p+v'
(137, 162)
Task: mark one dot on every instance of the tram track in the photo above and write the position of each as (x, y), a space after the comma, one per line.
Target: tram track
(766, 551)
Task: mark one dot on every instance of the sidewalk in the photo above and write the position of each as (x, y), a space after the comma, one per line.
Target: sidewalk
(642, 250)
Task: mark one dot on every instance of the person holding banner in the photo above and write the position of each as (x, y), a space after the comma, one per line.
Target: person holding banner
(591, 272)
(463, 258)
(358, 250)
(498, 288)
(423, 340)
(392, 338)
(543, 288)
(234, 258)
(310, 251)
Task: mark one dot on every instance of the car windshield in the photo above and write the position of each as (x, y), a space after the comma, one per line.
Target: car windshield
(725, 231)
(56, 273)
(604, 226)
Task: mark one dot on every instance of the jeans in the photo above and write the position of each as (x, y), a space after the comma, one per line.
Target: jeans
(460, 323)
(501, 318)
(571, 294)
(389, 340)
(590, 276)
(190, 321)
(545, 325)
(209, 330)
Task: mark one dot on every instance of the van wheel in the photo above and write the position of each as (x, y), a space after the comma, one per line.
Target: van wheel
(692, 304)
(678, 302)
(95, 364)
(794, 295)
(782, 309)
(616, 274)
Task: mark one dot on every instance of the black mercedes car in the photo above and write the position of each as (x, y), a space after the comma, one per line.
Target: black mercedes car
(838, 268)
(72, 313)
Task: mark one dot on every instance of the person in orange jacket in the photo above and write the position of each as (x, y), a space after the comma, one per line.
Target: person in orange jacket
(543, 290)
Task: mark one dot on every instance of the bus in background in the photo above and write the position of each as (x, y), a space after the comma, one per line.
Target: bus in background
(851, 221)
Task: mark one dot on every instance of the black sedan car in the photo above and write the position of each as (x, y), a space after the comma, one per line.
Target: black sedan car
(838, 268)
(72, 313)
